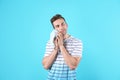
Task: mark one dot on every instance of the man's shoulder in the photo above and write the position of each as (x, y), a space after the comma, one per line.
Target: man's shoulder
(48, 43)
(74, 39)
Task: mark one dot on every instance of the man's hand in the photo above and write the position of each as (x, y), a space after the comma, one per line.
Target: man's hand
(60, 38)
(56, 44)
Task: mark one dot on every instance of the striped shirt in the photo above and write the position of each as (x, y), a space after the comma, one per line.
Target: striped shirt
(59, 69)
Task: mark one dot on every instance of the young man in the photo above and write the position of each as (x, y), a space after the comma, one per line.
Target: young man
(62, 58)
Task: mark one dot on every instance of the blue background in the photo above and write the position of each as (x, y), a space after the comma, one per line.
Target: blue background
(25, 29)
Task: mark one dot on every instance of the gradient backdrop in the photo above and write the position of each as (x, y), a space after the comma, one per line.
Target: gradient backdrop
(25, 29)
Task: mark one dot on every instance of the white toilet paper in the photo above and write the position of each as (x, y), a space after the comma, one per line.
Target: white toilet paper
(52, 36)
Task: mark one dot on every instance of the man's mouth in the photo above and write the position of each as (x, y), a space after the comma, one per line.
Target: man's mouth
(62, 31)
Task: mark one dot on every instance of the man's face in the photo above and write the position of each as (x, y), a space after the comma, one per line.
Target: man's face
(60, 25)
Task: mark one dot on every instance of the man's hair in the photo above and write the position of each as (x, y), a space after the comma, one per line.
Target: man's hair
(54, 18)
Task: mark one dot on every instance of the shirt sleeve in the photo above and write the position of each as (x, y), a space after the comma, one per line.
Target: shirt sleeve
(77, 48)
(49, 49)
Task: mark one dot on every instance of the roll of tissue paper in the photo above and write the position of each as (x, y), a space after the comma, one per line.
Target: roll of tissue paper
(53, 34)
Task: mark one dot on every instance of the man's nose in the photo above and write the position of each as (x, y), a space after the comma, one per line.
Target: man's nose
(61, 27)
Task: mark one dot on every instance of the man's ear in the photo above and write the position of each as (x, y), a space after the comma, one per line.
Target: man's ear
(53, 26)
(67, 25)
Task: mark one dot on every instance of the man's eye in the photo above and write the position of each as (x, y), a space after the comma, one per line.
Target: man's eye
(57, 26)
(63, 24)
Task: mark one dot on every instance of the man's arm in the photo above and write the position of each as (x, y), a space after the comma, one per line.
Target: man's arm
(71, 61)
(48, 60)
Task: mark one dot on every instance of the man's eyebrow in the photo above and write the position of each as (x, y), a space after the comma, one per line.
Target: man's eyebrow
(57, 25)
(63, 22)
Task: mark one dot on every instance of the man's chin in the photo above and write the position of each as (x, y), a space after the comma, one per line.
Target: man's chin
(64, 33)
